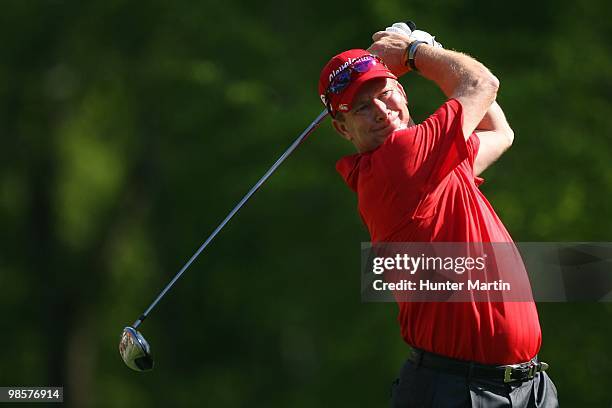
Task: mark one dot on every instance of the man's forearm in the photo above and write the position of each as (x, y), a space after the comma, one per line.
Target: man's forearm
(494, 119)
(461, 77)
(455, 73)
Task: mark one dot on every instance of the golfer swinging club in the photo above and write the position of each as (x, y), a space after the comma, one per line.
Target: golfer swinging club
(419, 183)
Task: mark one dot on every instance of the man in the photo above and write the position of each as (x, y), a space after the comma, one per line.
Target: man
(419, 183)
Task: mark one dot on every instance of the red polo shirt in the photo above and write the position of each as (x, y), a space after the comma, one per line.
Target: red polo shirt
(419, 186)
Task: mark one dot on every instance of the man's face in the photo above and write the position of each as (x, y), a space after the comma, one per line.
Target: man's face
(378, 109)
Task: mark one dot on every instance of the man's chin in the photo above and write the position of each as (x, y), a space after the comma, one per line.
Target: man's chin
(392, 127)
(388, 131)
(383, 136)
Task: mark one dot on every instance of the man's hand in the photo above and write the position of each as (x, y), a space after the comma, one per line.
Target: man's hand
(412, 33)
(391, 45)
(400, 28)
(426, 37)
(391, 48)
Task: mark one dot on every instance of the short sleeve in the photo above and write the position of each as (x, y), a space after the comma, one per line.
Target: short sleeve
(473, 144)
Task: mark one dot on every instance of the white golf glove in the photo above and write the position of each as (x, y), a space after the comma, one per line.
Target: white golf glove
(404, 29)
(399, 28)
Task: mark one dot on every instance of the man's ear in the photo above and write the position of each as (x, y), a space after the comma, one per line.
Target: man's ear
(341, 128)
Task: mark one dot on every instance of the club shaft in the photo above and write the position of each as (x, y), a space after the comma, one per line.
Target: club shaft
(231, 214)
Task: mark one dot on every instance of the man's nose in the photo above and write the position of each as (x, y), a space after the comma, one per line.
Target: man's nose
(380, 110)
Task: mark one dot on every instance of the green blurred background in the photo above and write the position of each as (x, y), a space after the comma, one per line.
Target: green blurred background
(129, 129)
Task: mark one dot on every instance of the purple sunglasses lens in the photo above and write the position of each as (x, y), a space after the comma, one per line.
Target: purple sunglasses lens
(365, 65)
(340, 82)
(343, 79)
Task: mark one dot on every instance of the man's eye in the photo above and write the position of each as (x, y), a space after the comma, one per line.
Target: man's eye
(387, 93)
(361, 108)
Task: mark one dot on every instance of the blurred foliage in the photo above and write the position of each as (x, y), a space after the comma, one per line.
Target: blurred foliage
(129, 129)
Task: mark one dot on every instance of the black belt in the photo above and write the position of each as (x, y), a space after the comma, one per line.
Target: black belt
(506, 373)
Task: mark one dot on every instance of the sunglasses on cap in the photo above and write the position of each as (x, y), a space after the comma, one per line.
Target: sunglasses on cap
(344, 78)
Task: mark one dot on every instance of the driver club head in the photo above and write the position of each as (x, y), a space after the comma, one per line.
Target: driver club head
(135, 350)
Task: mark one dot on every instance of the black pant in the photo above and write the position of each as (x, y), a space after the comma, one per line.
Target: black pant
(423, 387)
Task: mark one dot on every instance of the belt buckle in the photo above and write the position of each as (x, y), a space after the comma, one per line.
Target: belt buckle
(530, 370)
(508, 374)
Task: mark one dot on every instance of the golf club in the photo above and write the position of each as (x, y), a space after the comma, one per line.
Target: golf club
(133, 347)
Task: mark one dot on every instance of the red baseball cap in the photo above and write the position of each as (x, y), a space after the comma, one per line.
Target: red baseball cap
(341, 101)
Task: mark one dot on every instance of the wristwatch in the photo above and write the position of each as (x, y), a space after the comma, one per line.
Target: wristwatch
(411, 51)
